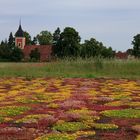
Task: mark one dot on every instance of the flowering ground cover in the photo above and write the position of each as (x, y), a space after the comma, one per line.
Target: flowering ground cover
(69, 109)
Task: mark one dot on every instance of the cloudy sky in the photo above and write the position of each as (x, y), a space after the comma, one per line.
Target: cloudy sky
(113, 22)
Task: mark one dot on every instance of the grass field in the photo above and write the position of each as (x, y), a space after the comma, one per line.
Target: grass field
(91, 68)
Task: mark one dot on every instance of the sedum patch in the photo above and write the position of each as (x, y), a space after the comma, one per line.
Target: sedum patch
(84, 133)
(26, 100)
(124, 113)
(104, 126)
(13, 110)
(138, 137)
(58, 136)
(65, 136)
(32, 118)
(70, 126)
(84, 114)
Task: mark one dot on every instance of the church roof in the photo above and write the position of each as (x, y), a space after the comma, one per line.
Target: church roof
(20, 32)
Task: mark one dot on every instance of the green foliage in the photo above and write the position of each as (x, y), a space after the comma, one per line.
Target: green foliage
(93, 48)
(35, 54)
(45, 38)
(5, 51)
(68, 43)
(125, 113)
(56, 36)
(11, 40)
(136, 46)
(17, 54)
(70, 126)
(27, 38)
(56, 42)
(34, 41)
(10, 53)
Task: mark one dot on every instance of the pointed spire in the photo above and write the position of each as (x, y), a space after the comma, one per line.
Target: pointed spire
(19, 32)
(20, 22)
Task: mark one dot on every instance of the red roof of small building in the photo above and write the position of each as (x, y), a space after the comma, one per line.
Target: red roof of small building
(121, 55)
(45, 51)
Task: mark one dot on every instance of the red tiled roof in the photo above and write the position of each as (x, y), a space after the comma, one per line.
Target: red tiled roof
(45, 51)
(121, 55)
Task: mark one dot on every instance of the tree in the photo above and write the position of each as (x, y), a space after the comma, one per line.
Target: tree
(45, 38)
(2, 43)
(10, 53)
(130, 51)
(56, 40)
(35, 54)
(68, 44)
(56, 36)
(17, 54)
(11, 39)
(136, 46)
(5, 52)
(107, 52)
(93, 48)
(27, 38)
(34, 41)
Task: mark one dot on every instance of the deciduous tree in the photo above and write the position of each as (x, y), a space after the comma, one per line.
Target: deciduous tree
(45, 38)
(68, 44)
(27, 38)
(136, 46)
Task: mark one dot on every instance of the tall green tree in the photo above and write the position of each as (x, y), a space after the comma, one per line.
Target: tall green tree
(45, 38)
(27, 38)
(11, 39)
(136, 46)
(56, 36)
(69, 43)
(56, 41)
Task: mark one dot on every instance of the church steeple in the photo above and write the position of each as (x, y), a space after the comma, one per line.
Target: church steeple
(20, 32)
(19, 37)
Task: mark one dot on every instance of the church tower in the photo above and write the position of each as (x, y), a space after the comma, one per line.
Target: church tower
(19, 38)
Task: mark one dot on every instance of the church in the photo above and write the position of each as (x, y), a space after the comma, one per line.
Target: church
(20, 41)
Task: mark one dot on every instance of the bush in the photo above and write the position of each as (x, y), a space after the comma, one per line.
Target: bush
(35, 55)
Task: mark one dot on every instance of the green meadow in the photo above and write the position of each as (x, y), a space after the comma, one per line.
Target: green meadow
(90, 68)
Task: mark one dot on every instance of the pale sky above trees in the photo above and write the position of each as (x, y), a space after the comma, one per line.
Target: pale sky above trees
(114, 22)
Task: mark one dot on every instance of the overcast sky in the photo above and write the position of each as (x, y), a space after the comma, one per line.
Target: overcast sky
(113, 22)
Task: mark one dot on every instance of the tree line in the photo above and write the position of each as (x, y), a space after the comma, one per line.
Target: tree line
(65, 44)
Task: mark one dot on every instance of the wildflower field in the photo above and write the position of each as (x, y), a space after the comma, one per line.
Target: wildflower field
(69, 109)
